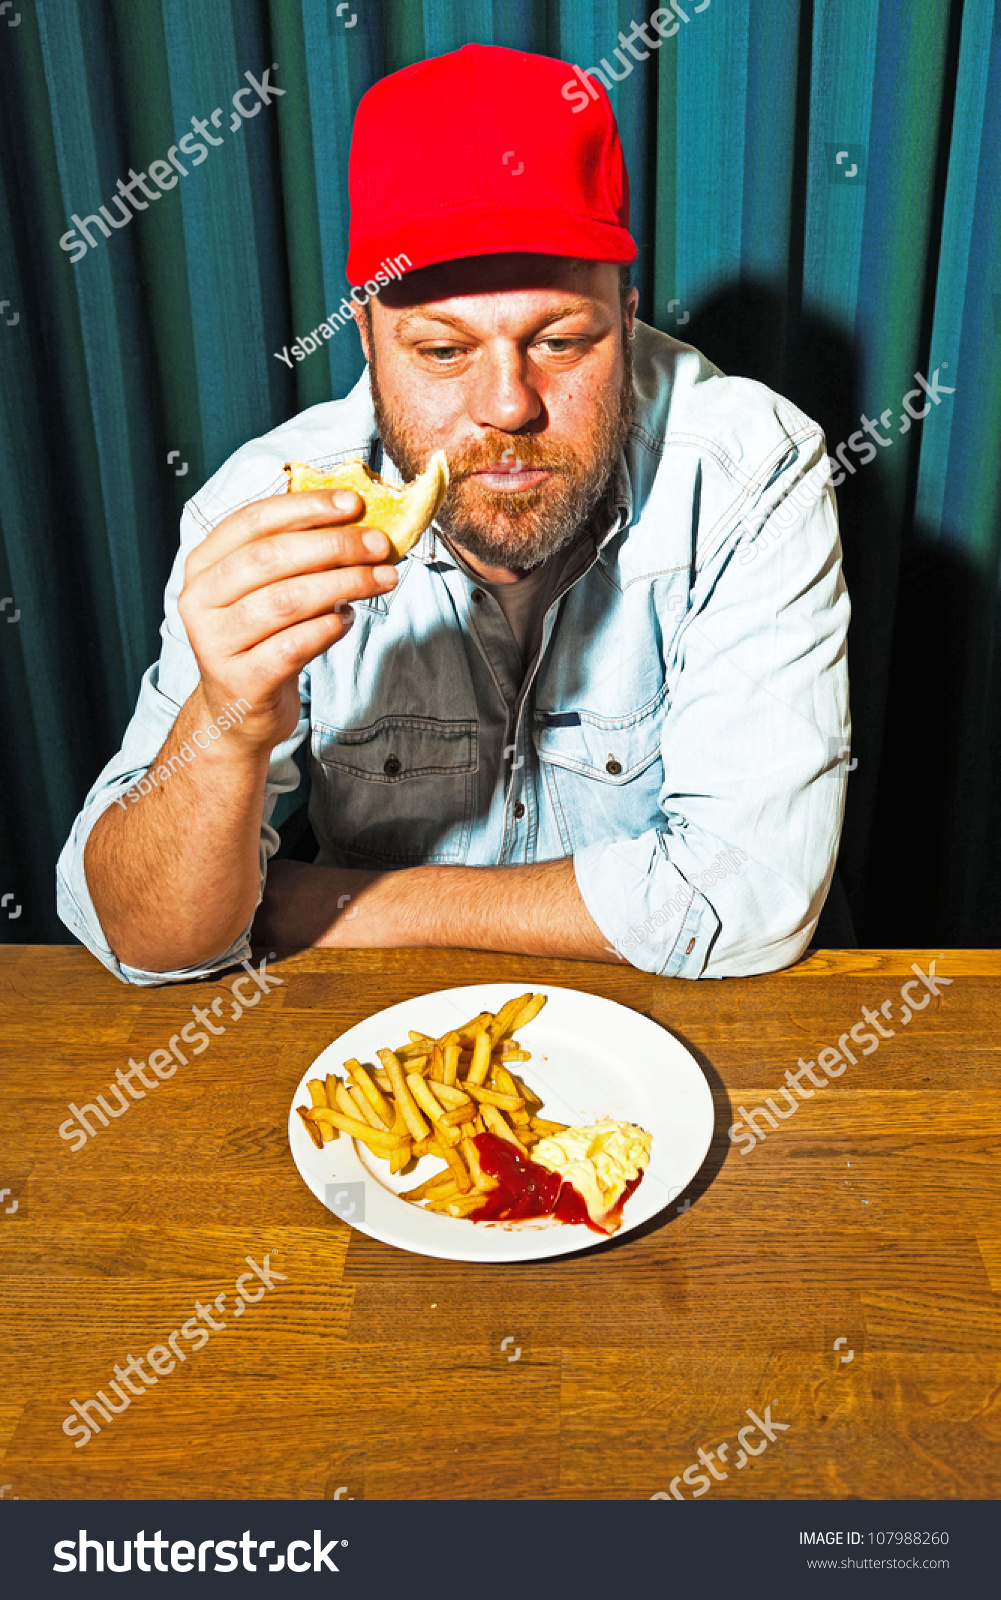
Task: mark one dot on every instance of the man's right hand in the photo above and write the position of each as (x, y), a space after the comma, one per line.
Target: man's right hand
(268, 591)
(176, 876)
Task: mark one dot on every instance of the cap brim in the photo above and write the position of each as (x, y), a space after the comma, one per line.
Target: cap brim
(488, 231)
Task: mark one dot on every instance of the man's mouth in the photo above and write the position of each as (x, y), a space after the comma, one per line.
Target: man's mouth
(507, 479)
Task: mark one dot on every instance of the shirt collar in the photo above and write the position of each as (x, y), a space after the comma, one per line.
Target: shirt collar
(620, 501)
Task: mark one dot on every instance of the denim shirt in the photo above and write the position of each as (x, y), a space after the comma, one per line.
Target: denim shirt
(680, 733)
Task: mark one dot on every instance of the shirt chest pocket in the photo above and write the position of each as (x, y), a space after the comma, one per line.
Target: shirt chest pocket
(396, 793)
(602, 775)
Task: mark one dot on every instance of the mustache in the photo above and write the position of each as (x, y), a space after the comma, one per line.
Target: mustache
(523, 456)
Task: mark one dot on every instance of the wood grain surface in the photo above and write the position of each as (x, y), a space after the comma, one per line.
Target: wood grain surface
(871, 1216)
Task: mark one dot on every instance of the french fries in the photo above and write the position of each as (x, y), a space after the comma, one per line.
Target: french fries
(459, 1206)
(381, 1143)
(431, 1097)
(491, 1097)
(480, 1064)
(371, 1091)
(450, 1095)
(399, 1157)
(364, 1110)
(416, 1047)
(438, 1185)
(533, 1005)
(481, 1179)
(498, 1124)
(461, 1114)
(450, 1059)
(468, 1033)
(460, 1171)
(543, 1127)
(502, 1080)
(311, 1128)
(502, 1022)
(404, 1099)
(527, 1094)
(444, 1132)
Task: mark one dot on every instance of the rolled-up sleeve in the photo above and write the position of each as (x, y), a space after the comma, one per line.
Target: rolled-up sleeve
(165, 686)
(753, 747)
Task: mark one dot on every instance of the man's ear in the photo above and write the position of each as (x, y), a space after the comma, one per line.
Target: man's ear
(629, 312)
(358, 312)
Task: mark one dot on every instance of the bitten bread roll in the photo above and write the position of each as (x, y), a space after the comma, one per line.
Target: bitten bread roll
(401, 513)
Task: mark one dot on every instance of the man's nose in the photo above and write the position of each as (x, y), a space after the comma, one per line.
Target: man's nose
(501, 392)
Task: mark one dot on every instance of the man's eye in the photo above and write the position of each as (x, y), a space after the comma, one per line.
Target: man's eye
(558, 346)
(441, 353)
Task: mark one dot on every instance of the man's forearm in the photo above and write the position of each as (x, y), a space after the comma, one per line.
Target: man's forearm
(175, 874)
(532, 910)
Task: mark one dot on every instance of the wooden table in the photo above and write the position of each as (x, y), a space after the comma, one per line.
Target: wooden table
(845, 1272)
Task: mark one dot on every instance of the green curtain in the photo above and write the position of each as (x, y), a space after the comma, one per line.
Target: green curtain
(816, 198)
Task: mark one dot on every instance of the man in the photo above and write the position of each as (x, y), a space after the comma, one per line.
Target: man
(598, 711)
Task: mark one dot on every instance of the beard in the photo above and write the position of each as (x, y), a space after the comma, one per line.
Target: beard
(518, 529)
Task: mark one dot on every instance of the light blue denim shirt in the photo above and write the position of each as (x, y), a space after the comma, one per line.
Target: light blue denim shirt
(681, 732)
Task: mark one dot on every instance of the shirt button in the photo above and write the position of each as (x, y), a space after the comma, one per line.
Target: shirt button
(392, 766)
(477, 597)
(613, 766)
(519, 811)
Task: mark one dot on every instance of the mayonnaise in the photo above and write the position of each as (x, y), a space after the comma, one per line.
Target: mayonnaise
(599, 1160)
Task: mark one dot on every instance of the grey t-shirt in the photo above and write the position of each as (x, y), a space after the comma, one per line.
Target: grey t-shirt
(525, 602)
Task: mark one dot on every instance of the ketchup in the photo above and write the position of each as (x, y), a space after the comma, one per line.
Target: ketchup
(526, 1189)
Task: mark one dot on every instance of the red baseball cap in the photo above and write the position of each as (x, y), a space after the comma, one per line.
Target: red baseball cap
(484, 151)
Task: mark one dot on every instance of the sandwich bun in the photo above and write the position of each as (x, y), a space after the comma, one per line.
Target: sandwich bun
(401, 512)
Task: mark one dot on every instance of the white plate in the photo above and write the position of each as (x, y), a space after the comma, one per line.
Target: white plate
(590, 1059)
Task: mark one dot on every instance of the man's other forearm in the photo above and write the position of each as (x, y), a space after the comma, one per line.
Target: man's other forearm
(175, 875)
(533, 910)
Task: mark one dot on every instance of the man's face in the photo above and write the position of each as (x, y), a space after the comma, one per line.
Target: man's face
(518, 368)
